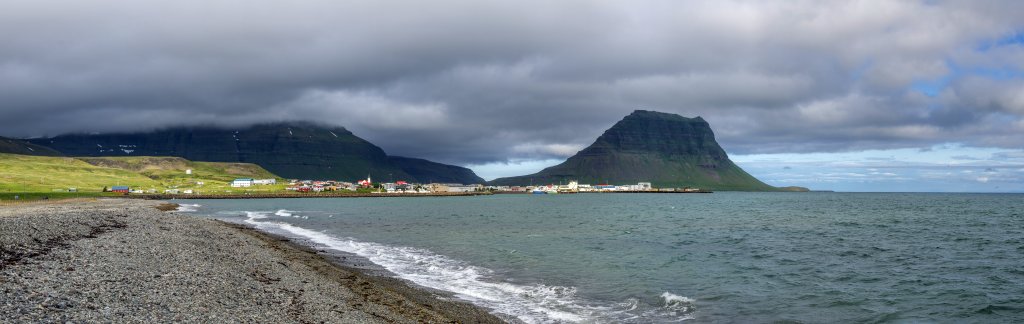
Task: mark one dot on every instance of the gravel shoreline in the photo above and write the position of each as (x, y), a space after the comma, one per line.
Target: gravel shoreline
(121, 260)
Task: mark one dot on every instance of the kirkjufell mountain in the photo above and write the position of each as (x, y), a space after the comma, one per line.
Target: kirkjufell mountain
(667, 150)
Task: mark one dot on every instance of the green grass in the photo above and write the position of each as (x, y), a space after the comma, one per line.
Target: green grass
(9, 196)
(23, 173)
(53, 175)
(169, 173)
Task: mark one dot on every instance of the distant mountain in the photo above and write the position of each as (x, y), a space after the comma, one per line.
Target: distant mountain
(427, 171)
(290, 150)
(13, 146)
(667, 150)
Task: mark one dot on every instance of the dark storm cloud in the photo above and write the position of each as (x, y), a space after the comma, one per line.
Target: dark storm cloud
(475, 82)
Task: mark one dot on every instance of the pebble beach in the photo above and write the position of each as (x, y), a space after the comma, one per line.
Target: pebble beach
(119, 260)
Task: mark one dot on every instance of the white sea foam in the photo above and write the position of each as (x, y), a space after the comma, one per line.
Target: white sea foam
(673, 299)
(677, 306)
(253, 215)
(284, 213)
(535, 303)
(188, 208)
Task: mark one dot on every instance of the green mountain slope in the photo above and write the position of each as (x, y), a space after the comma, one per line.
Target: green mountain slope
(173, 168)
(25, 173)
(667, 150)
(291, 150)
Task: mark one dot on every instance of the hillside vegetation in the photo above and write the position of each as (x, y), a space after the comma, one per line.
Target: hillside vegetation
(294, 150)
(173, 168)
(23, 173)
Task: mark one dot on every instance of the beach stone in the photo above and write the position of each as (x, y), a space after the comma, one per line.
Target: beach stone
(122, 260)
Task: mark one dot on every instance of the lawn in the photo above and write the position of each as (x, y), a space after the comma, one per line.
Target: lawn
(54, 175)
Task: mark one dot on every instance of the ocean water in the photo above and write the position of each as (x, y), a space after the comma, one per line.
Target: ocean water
(663, 258)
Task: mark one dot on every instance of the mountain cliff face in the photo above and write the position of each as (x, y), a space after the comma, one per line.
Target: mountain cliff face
(430, 172)
(667, 150)
(290, 150)
(13, 146)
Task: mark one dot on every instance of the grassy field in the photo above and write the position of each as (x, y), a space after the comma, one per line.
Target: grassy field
(35, 196)
(53, 176)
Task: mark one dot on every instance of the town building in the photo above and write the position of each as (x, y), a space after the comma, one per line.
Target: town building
(463, 188)
(437, 187)
(119, 189)
(242, 182)
(367, 182)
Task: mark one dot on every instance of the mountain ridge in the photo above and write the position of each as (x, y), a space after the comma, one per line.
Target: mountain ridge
(16, 146)
(301, 150)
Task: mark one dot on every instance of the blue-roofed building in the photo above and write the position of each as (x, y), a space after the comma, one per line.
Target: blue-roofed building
(242, 182)
(121, 189)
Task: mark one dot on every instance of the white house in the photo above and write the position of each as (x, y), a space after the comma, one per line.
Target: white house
(463, 188)
(264, 181)
(242, 182)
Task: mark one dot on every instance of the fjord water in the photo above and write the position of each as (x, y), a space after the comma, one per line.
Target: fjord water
(722, 257)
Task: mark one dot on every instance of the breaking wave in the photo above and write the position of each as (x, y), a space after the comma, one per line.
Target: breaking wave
(252, 215)
(188, 208)
(536, 303)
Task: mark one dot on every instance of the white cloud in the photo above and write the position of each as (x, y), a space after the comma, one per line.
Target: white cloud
(362, 109)
(430, 80)
(539, 149)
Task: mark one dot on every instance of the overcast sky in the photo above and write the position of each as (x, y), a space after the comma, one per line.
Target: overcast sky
(796, 91)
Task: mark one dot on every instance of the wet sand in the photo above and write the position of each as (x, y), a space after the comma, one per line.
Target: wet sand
(123, 260)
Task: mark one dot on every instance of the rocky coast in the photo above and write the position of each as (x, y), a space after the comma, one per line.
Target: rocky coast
(125, 260)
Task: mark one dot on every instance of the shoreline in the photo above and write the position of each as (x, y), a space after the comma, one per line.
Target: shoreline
(36, 195)
(381, 195)
(124, 260)
(292, 195)
(355, 278)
